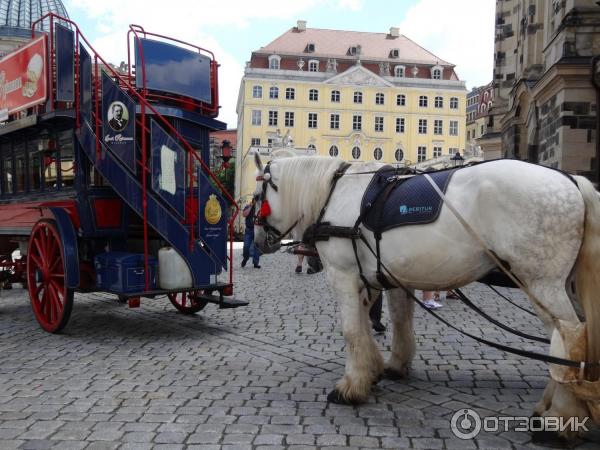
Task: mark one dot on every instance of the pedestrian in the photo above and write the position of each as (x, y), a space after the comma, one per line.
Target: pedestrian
(429, 299)
(250, 249)
(375, 314)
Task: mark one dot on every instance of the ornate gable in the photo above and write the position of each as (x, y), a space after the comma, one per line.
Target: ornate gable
(358, 76)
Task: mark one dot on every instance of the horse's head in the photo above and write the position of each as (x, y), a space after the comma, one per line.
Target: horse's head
(270, 222)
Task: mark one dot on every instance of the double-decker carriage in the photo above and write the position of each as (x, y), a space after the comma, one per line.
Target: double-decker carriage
(104, 182)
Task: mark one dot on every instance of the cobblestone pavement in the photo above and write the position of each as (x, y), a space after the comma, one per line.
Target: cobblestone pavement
(254, 377)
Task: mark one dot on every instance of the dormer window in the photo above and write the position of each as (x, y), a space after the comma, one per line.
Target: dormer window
(313, 65)
(395, 53)
(310, 48)
(274, 62)
(352, 51)
(436, 72)
(399, 71)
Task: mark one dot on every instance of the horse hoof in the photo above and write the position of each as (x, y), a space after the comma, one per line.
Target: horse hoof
(336, 397)
(392, 374)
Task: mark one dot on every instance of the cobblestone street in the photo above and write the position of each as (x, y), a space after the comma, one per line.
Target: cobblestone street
(253, 377)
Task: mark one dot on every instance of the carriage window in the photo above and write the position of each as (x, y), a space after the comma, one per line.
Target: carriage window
(35, 166)
(20, 171)
(8, 177)
(65, 144)
(49, 163)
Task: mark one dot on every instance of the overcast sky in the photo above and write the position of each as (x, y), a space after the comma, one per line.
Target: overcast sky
(458, 31)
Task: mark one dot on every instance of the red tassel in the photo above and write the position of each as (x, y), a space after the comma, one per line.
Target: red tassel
(265, 209)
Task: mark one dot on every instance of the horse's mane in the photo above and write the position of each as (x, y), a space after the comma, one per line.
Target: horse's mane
(304, 186)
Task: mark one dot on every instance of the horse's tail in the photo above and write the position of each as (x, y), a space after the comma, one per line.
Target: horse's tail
(588, 271)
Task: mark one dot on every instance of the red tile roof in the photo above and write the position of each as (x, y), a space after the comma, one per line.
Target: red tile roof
(335, 44)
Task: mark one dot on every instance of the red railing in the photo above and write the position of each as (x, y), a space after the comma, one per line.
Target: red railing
(142, 97)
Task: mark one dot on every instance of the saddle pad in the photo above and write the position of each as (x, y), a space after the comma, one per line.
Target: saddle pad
(411, 201)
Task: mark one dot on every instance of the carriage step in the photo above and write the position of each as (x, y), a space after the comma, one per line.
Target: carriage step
(223, 302)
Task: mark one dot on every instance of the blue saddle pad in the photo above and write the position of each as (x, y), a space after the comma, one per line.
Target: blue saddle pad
(411, 201)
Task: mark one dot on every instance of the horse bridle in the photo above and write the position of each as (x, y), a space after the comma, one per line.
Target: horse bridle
(273, 235)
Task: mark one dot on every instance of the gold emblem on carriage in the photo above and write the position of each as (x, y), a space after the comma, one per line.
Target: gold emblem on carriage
(212, 210)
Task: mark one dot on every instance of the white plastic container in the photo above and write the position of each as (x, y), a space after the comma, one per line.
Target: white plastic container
(173, 272)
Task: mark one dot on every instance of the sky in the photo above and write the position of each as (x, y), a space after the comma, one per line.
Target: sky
(458, 31)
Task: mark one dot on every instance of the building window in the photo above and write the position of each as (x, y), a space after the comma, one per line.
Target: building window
(399, 71)
(312, 147)
(255, 142)
(468, 135)
(452, 151)
(289, 119)
(379, 98)
(269, 142)
(256, 91)
(437, 152)
(439, 102)
(312, 120)
(400, 100)
(438, 125)
(399, 124)
(358, 97)
(274, 92)
(437, 74)
(421, 153)
(482, 129)
(313, 95)
(355, 152)
(335, 96)
(423, 101)
(377, 154)
(453, 130)
(313, 65)
(272, 118)
(399, 154)
(334, 121)
(454, 103)
(378, 123)
(256, 117)
(333, 151)
(422, 126)
(274, 62)
(290, 93)
(357, 123)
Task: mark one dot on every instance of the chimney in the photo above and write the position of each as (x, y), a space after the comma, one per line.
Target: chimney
(301, 25)
(394, 32)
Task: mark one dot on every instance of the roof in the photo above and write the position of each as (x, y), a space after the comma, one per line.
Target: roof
(17, 16)
(335, 43)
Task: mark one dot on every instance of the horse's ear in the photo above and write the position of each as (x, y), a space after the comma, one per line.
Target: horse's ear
(258, 162)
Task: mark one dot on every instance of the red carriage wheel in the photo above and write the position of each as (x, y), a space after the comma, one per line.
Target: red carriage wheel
(51, 300)
(188, 302)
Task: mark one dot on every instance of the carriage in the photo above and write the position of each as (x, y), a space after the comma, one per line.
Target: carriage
(105, 184)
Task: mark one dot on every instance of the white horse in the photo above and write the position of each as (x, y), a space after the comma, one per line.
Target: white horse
(539, 221)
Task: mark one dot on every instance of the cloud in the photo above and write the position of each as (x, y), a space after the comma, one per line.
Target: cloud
(458, 31)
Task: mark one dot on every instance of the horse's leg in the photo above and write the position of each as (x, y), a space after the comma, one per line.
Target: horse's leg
(401, 309)
(557, 400)
(364, 363)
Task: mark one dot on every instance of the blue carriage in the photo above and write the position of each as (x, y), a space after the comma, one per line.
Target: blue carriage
(105, 184)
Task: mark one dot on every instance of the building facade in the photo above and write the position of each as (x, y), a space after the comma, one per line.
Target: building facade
(358, 96)
(479, 102)
(545, 103)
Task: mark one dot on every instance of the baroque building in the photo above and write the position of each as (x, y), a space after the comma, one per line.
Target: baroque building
(359, 96)
(479, 102)
(545, 98)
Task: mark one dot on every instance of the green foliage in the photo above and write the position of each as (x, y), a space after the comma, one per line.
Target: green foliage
(227, 177)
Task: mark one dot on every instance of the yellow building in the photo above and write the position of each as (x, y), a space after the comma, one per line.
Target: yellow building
(359, 96)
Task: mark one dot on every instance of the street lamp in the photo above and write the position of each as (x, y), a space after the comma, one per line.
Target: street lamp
(226, 152)
(457, 160)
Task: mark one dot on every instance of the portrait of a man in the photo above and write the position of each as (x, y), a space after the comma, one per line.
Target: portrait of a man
(118, 116)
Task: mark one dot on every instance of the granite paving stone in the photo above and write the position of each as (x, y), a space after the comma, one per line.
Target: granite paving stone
(255, 377)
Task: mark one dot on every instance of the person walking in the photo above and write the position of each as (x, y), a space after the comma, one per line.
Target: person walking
(250, 248)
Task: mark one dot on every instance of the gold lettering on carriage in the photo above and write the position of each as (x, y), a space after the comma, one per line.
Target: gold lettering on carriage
(117, 138)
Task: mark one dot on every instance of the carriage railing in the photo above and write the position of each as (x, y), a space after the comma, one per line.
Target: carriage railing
(144, 100)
